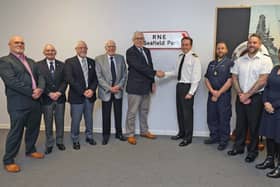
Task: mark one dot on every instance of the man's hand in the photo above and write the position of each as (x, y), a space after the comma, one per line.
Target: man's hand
(188, 96)
(160, 74)
(88, 93)
(268, 107)
(54, 95)
(244, 98)
(115, 89)
(214, 99)
(37, 93)
(216, 93)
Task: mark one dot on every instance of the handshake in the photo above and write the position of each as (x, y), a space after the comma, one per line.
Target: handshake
(160, 73)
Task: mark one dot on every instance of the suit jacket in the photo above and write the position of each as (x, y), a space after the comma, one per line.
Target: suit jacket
(104, 76)
(18, 83)
(53, 85)
(140, 73)
(75, 77)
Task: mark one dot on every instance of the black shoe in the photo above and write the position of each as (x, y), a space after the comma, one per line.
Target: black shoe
(275, 173)
(121, 137)
(61, 147)
(185, 143)
(211, 141)
(250, 158)
(91, 141)
(76, 145)
(234, 152)
(48, 150)
(222, 146)
(176, 137)
(267, 163)
(105, 140)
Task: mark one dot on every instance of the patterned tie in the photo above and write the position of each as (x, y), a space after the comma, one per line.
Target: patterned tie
(26, 65)
(113, 70)
(52, 69)
(85, 70)
(144, 54)
(180, 68)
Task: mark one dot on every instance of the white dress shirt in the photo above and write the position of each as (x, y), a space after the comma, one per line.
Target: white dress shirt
(248, 70)
(49, 63)
(109, 60)
(191, 71)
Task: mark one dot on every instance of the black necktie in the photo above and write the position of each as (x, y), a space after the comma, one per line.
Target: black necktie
(180, 68)
(52, 69)
(113, 70)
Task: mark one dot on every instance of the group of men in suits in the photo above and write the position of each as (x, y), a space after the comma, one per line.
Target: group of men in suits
(39, 88)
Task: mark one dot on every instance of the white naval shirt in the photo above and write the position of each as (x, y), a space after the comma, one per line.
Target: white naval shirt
(249, 69)
(191, 71)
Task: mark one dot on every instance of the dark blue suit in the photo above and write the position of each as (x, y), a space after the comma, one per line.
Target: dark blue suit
(270, 123)
(79, 103)
(140, 73)
(53, 109)
(23, 110)
(219, 113)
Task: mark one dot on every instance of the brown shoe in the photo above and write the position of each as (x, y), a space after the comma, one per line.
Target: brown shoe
(149, 135)
(36, 155)
(131, 140)
(13, 168)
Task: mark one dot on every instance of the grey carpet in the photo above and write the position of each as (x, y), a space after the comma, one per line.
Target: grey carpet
(151, 163)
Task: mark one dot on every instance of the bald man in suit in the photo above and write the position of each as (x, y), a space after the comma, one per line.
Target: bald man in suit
(24, 86)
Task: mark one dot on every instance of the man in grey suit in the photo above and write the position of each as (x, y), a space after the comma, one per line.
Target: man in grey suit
(111, 73)
(24, 86)
(53, 97)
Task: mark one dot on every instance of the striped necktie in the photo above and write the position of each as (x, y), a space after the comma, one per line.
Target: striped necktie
(85, 70)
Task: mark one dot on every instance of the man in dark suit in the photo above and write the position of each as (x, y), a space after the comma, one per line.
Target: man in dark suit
(81, 76)
(24, 86)
(111, 73)
(140, 84)
(53, 97)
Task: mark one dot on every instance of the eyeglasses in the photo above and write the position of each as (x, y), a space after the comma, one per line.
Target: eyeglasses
(81, 48)
(139, 38)
(17, 43)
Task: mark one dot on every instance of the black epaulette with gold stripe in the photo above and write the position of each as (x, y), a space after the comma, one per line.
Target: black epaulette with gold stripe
(195, 55)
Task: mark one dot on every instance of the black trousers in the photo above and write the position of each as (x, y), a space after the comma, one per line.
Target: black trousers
(29, 118)
(273, 149)
(184, 111)
(248, 117)
(106, 116)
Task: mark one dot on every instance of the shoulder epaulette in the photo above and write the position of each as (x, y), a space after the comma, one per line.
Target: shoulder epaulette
(266, 55)
(195, 55)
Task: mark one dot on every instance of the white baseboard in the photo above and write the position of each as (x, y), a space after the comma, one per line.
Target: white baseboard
(99, 130)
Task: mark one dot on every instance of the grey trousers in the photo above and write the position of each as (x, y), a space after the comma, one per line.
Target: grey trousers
(140, 104)
(76, 112)
(54, 111)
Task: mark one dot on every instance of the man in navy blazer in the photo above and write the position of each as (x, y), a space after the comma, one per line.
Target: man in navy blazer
(24, 86)
(81, 76)
(53, 97)
(140, 84)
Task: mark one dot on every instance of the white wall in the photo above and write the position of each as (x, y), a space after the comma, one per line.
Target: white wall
(64, 22)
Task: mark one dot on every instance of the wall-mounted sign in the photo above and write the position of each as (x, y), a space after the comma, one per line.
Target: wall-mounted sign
(164, 39)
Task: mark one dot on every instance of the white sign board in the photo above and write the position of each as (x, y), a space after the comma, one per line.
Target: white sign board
(164, 39)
